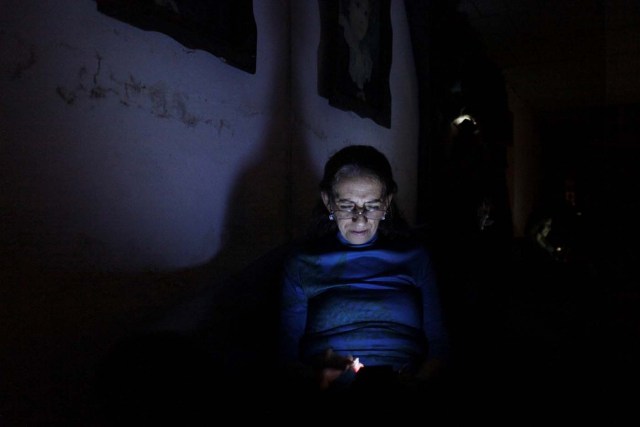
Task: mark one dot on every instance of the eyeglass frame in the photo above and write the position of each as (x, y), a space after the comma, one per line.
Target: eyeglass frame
(356, 211)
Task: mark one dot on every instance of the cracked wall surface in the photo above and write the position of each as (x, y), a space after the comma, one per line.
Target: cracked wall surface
(164, 149)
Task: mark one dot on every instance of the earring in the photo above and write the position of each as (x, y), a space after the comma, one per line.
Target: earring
(331, 217)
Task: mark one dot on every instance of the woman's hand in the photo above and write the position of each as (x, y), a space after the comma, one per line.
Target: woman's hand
(428, 372)
(334, 365)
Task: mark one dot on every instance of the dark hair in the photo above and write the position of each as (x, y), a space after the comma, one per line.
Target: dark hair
(358, 160)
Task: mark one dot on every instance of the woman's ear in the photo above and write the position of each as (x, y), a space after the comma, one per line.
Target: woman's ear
(389, 198)
(325, 200)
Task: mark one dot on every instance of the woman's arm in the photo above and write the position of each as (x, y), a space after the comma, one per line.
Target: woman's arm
(293, 314)
(433, 322)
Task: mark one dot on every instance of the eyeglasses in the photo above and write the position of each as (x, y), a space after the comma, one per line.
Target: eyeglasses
(349, 210)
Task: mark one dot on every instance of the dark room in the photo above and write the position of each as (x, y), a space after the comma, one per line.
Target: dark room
(245, 209)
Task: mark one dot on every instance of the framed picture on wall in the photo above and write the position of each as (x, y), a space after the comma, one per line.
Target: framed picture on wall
(225, 28)
(354, 57)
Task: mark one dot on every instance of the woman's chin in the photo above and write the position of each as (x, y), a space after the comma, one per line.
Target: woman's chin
(358, 237)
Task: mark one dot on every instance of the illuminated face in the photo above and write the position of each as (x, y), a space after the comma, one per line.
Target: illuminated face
(359, 17)
(358, 205)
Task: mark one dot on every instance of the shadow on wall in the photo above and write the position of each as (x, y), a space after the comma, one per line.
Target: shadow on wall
(87, 345)
(220, 340)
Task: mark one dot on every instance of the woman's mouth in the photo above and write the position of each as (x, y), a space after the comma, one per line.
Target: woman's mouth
(360, 232)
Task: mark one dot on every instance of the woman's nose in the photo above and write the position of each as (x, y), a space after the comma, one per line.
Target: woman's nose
(359, 216)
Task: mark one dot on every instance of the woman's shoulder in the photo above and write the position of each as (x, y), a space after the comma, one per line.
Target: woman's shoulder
(406, 243)
(317, 246)
(409, 236)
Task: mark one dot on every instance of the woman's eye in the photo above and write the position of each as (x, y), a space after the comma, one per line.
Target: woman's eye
(375, 207)
(346, 207)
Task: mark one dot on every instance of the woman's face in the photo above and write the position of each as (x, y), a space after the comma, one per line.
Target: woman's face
(360, 190)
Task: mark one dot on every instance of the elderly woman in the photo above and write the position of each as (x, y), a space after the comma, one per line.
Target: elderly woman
(359, 298)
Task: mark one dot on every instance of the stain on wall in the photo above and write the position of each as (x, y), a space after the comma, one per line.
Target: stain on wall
(157, 98)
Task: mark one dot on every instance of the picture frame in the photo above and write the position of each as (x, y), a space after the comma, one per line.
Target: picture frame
(354, 57)
(225, 28)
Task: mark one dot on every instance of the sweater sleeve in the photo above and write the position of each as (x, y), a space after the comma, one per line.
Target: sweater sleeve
(293, 313)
